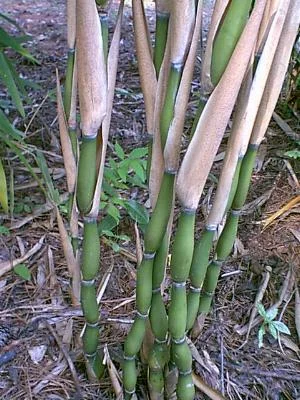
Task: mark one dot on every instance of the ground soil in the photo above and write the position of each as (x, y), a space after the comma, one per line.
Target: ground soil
(37, 318)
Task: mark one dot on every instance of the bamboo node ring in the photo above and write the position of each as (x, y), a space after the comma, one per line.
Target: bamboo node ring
(129, 358)
(89, 136)
(89, 219)
(93, 325)
(142, 316)
(189, 211)
(129, 391)
(149, 256)
(177, 66)
(163, 14)
(236, 212)
(217, 262)
(89, 282)
(171, 171)
(209, 294)
(211, 227)
(185, 373)
(161, 341)
(92, 355)
(179, 341)
(71, 50)
(179, 284)
(195, 289)
(156, 290)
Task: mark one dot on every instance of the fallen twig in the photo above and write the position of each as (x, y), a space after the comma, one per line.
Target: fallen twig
(7, 266)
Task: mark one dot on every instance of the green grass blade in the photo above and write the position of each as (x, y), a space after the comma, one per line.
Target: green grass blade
(42, 164)
(9, 82)
(7, 40)
(3, 189)
(7, 128)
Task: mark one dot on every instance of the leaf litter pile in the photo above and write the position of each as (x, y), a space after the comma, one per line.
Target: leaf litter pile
(40, 351)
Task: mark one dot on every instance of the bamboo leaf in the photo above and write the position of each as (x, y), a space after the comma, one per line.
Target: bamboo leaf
(8, 80)
(3, 189)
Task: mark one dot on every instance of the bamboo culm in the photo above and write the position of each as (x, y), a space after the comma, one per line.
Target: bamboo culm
(154, 234)
(180, 267)
(227, 238)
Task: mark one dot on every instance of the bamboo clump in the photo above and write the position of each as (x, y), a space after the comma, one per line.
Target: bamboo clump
(190, 260)
(92, 68)
(251, 41)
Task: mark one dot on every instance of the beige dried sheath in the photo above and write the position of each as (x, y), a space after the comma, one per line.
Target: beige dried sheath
(91, 69)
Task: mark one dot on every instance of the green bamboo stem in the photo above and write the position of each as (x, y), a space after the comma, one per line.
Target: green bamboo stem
(89, 271)
(69, 82)
(180, 267)
(159, 322)
(90, 253)
(104, 30)
(169, 103)
(161, 33)
(154, 234)
(227, 238)
(86, 174)
(228, 34)
(197, 273)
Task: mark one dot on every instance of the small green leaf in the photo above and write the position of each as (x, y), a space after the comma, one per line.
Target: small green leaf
(107, 224)
(139, 152)
(137, 212)
(273, 330)
(261, 333)
(119, 151)
(271, 314)
(138, 169)
(281, 327)
(261, 310)
(122, 172)
(113, 212)
(23, 271)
